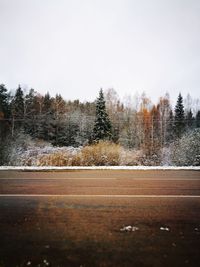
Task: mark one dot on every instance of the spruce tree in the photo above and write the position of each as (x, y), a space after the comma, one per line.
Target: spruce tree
(190, 120)
(30, 112)
(4, 121)
(4, 102)
(179, 118)
(17, 106)
(19, 103)
(102, 127)
(170, 127)
(47, 105)
(45, 122)
(197, 119)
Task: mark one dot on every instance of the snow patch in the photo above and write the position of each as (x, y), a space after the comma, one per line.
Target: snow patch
(129, 228)
(144, 168)
(164, 228)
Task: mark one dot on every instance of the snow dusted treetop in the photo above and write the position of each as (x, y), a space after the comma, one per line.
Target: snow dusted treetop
(18, 103)
(17, 110)
(179, 119)
(102, 127)
(197, 124)
(4, 101)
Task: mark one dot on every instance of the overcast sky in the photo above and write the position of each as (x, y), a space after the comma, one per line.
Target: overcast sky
(75, 47)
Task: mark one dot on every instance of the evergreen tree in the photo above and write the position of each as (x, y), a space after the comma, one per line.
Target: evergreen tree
(102, 127)
(190, 121)
(47, 104)
(179, 118)
(197, 120)
(4, 121)
(29, 103)
(18, 103)
(68, 136)
(115, 134)
(29, 112)
(4, 102)
(45, 123)
(58, 127)
(155, 129)
(17, 109)
(170, 127)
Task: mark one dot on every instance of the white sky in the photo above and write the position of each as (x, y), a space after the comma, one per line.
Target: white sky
(74, 47)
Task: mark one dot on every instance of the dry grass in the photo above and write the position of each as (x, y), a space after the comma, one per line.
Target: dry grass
(55, 159)
(102, 154)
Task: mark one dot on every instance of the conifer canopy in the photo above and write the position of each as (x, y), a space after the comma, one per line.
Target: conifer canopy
(102, 127)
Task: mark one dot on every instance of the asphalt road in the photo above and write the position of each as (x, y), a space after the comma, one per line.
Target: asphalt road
(74, 218)
(127, 183)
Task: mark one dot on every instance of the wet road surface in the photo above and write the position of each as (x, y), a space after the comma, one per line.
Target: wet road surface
(76, 218)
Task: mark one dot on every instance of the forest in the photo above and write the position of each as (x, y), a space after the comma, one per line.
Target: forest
(43, 130)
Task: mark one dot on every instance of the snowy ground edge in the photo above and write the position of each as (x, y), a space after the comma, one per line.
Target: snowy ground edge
(32, 168)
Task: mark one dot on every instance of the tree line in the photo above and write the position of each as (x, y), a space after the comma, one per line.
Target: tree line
(137, 124)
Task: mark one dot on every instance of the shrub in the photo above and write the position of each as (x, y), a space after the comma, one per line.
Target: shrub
(186, 151)
(130, 157)
(103, 153)
(55, 159)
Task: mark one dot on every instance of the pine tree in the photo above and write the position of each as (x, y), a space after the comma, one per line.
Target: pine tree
(190, 120)
(47, 104)
(155, 129)
(102, 128)
(58, 127)
(197, 119)
(29, 112)
(17, 110)
(179, 118)
(170, 127)
(45, 122)
(4, 121)
(4, 102)
(18, 103)
(29, 103)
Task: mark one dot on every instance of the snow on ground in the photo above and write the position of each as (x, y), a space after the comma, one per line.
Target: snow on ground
(129, 228)
(98, 168)
(164, 228)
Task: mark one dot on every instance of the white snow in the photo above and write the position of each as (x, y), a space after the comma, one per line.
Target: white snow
(129, 228)
(144, 168)
(45, 262)
(33, 153)
(164, 228)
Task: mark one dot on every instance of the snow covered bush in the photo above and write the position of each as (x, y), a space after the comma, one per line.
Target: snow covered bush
(25, 151)
(166, 156)
(17, 147)
(150, 160)
(130, 157)
(186, 151)
(50, 156)
(104, 153)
